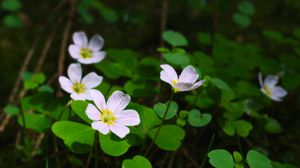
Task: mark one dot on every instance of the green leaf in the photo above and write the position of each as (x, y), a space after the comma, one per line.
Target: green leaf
(11, 110)
(160, 109)
(237, 157)
(34, 81)
(228, 128)
(273, 35)
(174, 38)
(197, 119)
(220, 158)
(242, 127)
(107, 13)
(12, 21)
(256, 159)
(246, 8)
(46, 88)
(272, 126)
(177, 58)
(112, 145)
(79, 108)
(137, 161)
(37, 122)
(242, 20)
(11, 5)
(220, 84)
(202, 101)
(78, 137)
(169, 137)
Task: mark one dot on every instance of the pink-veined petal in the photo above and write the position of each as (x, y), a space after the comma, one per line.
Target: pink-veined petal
(271, 81)
(96, 43)
(188, 75)
(81, 96)
(279, 92)
(93, 113)
(165, 77)
(118, 101)
(182, 87)
(75, 72)
(101, 127)
(119, 129)
(80, 39)
(91, 80)
(74, 51)
(197, 84)
(65, 84)
(170, 71)
(128, 118)
(98, 99)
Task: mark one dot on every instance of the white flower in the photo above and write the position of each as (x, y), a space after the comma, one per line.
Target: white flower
(111, 116)
(87, 52)
(269, 88)
(78, 87)
(186, 81)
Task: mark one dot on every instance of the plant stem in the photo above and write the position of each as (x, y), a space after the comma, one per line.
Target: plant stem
(160, 125)
(96, 149)
(240, 145)
(208, 149)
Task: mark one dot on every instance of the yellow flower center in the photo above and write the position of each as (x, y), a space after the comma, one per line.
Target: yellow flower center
(174, 82)
(108, 117)
(78, 87)
(85, 53)
(267, 90)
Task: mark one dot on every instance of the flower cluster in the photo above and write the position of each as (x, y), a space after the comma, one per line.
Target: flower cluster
(111, 116)
(106, 117)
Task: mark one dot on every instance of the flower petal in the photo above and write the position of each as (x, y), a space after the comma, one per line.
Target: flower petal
(128, 118)
(279, 92)
(80, 39)
(118, 129)
(101, 127)
(65, 84)
(170, 72)
(91, 80)
(182, 87)
(97, 57)
(165, 77)
(271, 81)
(81, 96)
(75, 72)
(93, 113)
(197, 84)
(96, 43)
(74, 51)
(118, 101)
(98, 99)
(260, 79)
(188, 75)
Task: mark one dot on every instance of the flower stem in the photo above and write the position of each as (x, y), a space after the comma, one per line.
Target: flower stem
(96, 149)
(160, 125)
(240, 145)
(208, 149)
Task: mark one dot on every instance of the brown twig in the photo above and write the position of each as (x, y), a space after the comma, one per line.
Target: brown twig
(13, 95)
(187, 155)
(61, 59)
(18, 83)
